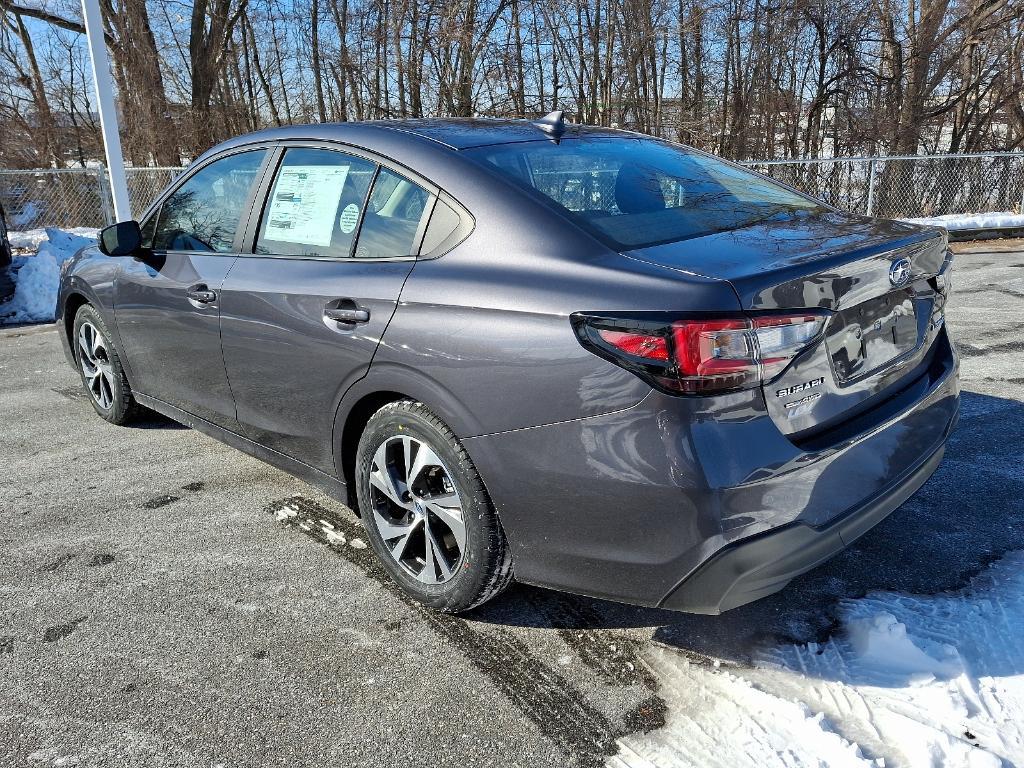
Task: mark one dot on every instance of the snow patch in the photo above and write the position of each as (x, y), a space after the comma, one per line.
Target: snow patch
(286, 513)
(909, 680)
(335, 538)
(43, 754)
(955, 221)
(37, 281)
(32, 238)
(53, 757)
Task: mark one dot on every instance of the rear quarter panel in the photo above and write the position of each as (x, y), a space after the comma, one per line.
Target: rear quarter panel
(486, 326)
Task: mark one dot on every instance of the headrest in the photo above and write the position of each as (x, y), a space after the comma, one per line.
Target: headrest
(638, 191)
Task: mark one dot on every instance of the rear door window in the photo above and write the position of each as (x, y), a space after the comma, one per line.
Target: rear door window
(203, 214)
(394, 213)
(315, 205)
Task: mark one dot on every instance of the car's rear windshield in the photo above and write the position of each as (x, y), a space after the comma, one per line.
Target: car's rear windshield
(633, 193)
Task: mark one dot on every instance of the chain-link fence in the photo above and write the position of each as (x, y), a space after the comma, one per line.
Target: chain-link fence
(892, 187)
(145, 184)
(59, 198)
(74, 197)
(908, 186)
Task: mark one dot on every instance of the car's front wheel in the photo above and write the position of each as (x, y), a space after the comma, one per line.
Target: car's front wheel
(426, 511)
(100, 367)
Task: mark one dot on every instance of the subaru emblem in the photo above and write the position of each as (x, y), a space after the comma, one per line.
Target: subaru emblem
(899, 272)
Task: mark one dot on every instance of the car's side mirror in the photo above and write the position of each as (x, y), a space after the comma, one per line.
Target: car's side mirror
(121, 239)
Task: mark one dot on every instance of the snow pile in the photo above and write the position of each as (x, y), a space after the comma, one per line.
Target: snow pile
(37, 279)
(909, 681)
(955, 221)
(881, 645)
(29, 213)
(32, 238)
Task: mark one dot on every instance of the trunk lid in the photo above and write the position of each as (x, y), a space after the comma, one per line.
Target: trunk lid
(881, 322)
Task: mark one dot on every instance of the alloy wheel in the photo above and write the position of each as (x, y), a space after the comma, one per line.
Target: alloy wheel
(417, 509)
(94, 357)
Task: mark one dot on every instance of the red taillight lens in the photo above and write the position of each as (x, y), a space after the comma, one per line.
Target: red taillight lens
(713, 355)
(637, 344)
(701, 356)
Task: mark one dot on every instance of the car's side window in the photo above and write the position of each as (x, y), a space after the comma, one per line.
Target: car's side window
(203, 214)
(444, 221)
(315, 204)
(393, 215)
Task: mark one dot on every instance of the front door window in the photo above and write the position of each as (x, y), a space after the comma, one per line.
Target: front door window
(203, 214)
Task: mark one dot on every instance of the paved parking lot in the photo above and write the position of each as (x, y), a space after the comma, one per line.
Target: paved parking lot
(166, 600)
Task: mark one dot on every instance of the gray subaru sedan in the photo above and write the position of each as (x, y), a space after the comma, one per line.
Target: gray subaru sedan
(577, 357)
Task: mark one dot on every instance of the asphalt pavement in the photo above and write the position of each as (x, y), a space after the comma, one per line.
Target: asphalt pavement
(168, 601)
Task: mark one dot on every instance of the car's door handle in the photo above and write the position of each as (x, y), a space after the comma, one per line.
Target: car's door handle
(202, 294)
(347, 314)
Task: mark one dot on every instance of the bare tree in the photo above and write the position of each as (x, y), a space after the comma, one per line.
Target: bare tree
(745, 78)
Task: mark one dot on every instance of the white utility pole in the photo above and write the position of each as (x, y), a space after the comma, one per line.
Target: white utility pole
(108, 112)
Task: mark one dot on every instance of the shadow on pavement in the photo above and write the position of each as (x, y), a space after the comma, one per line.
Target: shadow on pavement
(154, 420)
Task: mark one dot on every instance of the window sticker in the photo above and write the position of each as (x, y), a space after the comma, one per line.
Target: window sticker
(349, 218)
(305, 202)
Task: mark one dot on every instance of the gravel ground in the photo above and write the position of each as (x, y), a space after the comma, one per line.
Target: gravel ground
(168, 601)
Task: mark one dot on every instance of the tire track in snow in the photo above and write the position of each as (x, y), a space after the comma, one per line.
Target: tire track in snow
(914, 680)
(717, 719)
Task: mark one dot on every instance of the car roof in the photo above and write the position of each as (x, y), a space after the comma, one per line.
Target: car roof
(462, 133)
(453, 133)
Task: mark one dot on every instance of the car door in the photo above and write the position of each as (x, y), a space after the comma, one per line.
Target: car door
(301, 316)
(167, 302)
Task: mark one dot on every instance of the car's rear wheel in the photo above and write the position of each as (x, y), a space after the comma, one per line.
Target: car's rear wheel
(102, 375)
(426, 510)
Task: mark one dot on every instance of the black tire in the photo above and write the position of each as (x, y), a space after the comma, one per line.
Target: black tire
(110, 393)
(484, 566)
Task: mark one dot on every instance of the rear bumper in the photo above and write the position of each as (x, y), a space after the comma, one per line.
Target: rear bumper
(701, 504)
(762, 565)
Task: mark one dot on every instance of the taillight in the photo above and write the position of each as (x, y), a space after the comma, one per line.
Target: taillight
(700, 355)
